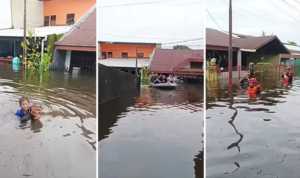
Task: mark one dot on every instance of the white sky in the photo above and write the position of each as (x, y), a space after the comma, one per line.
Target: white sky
(263, 15)
(5, 14)
(161, 21)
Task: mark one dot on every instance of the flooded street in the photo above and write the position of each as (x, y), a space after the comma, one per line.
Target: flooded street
(249, 138)
(59, 145)
(157, 134)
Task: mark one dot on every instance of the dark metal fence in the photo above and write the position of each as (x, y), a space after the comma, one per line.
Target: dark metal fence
(113, 83)
(61, 67)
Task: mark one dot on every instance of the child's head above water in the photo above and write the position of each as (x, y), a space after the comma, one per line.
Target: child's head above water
(24, 103)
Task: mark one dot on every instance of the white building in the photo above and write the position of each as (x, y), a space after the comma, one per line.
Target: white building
(13, 11)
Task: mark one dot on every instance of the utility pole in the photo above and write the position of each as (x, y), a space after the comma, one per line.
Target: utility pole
(24, 32)
(136, 61)
(230, 44)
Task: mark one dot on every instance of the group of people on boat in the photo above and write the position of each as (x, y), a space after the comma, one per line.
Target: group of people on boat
(255, 89)
(155, 78)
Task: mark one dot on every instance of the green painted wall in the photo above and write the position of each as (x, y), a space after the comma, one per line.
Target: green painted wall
(256, 57)
(52, 39)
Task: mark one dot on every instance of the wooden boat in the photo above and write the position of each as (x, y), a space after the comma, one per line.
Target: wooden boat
(163, 85)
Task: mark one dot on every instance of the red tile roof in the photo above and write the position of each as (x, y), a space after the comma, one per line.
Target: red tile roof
(165, 60)
(83, 33)
(217, 38)
(253, 42)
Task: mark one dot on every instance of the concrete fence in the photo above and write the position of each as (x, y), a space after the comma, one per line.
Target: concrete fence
(113, 83)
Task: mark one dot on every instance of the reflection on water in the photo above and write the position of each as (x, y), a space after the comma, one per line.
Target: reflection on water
(153, 134)
(41, 148)
(253, 137)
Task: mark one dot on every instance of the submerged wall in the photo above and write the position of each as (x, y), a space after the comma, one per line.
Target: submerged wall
(113, 83)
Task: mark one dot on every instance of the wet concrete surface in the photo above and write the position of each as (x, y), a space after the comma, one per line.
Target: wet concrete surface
(153, 134)
(59, 145)
(253, 137)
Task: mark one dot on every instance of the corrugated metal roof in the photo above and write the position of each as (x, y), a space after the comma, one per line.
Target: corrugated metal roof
(121, 62)
(165, 60)
(217, 38)
(39, 31)
(83, 33)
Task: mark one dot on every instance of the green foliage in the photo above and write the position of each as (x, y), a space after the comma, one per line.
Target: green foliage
(292, 43)
(52, 40)
(181, 47)
(58, 37)
(264, 66)
(38, 79)
(34, 55)
(145, 75)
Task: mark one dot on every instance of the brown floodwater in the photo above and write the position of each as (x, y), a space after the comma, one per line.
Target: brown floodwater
(152, 134)
(253, 137)
(59, 145)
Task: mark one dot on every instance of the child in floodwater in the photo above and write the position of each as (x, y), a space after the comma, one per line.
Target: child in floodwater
(24, 104)
(35, 112)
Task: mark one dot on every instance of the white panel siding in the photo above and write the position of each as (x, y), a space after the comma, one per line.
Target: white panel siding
(6, 22)
(35, 13)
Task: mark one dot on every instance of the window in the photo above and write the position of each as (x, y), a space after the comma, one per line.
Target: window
(140, 55)
(103, 55)
(46, 21)
(109, 54)
(53, 20)
(70, 18)
(124, 55)
(196, 65)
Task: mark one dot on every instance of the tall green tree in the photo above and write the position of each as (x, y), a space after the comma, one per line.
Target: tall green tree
(35, 59)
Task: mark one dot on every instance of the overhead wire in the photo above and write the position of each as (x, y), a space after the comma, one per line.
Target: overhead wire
(144, 3)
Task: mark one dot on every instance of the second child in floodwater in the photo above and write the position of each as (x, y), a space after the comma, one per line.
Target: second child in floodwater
(25, 109)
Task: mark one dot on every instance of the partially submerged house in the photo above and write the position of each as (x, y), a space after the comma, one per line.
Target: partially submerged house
(77, 48)
(180, 63)
(126, 56)
(246, 49)
(11, 39)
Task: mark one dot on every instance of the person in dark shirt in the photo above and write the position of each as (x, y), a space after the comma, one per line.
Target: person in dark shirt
(164, 79)
(245, 79)
(35, 112)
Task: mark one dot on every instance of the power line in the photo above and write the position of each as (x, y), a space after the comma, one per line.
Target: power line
(188, 3)
(264, 18)
(182, 41)
(137, 37)
(213, 19)
(269, 14)
(132, 4)
(145, 3)
(291, 5)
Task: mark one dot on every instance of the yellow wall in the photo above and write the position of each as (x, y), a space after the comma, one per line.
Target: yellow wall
(255, 58)
(211, 73)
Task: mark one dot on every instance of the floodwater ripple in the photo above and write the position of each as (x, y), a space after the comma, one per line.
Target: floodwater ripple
(253, 137)
(153, 134)
(62, 141)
